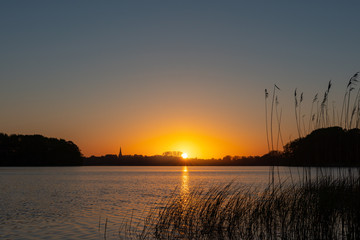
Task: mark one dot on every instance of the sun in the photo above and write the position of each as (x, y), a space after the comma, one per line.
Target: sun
(184, 155)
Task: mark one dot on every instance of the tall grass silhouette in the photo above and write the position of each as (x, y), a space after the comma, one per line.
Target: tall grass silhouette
(317, 206)
(324, 208)
(266, 119)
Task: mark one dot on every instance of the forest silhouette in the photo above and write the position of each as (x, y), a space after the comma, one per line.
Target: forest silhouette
(325, 146)
(37, 150)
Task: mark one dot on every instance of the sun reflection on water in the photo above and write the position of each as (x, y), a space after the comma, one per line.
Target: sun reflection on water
(184, 182)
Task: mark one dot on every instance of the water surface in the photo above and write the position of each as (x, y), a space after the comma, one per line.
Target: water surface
(75, 202)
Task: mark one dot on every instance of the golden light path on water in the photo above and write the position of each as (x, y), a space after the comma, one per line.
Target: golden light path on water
(184, 183)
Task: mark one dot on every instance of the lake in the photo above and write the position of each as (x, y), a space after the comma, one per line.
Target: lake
(76, 202)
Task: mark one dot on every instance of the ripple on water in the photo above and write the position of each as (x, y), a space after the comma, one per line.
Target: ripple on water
(74, 203)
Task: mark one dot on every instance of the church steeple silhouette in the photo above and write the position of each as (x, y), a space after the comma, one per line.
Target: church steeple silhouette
(120, 153)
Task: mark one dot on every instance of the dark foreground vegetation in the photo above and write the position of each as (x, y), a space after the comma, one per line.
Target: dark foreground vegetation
(37, 150)
(324, 208)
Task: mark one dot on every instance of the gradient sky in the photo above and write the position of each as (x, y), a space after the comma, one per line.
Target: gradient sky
(154, 76)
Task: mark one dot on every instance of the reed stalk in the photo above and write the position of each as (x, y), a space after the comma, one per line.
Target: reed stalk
(311, 112)
(296, 115)
(279, 129)
(271, 116)
(266, 119)
(300, 118)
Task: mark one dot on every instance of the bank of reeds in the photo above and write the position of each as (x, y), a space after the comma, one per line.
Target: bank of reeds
(326, 208)
(320, 116)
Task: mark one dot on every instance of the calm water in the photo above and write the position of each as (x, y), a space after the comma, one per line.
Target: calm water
(74, 202)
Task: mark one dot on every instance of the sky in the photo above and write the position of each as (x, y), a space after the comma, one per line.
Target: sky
(156, 76)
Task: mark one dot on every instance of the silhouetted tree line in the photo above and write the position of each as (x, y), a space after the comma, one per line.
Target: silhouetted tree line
(140, 160)
(331, 146)
(133, 160)
(37, 150)
(325, 147)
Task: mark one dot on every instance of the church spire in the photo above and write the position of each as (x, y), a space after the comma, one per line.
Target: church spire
(120, 153)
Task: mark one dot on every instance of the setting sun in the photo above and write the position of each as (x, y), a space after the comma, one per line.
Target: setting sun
(184, 155)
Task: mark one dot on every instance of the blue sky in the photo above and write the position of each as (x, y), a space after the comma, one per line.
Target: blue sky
(141, 74)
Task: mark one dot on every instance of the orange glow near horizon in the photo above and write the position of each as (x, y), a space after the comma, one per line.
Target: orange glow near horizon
(194, 144)
(214, 138)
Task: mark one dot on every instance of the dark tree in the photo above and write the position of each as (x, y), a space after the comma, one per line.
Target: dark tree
(37, 150)
(326, 146)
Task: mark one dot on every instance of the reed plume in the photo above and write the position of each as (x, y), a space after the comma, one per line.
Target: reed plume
(345, 107)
